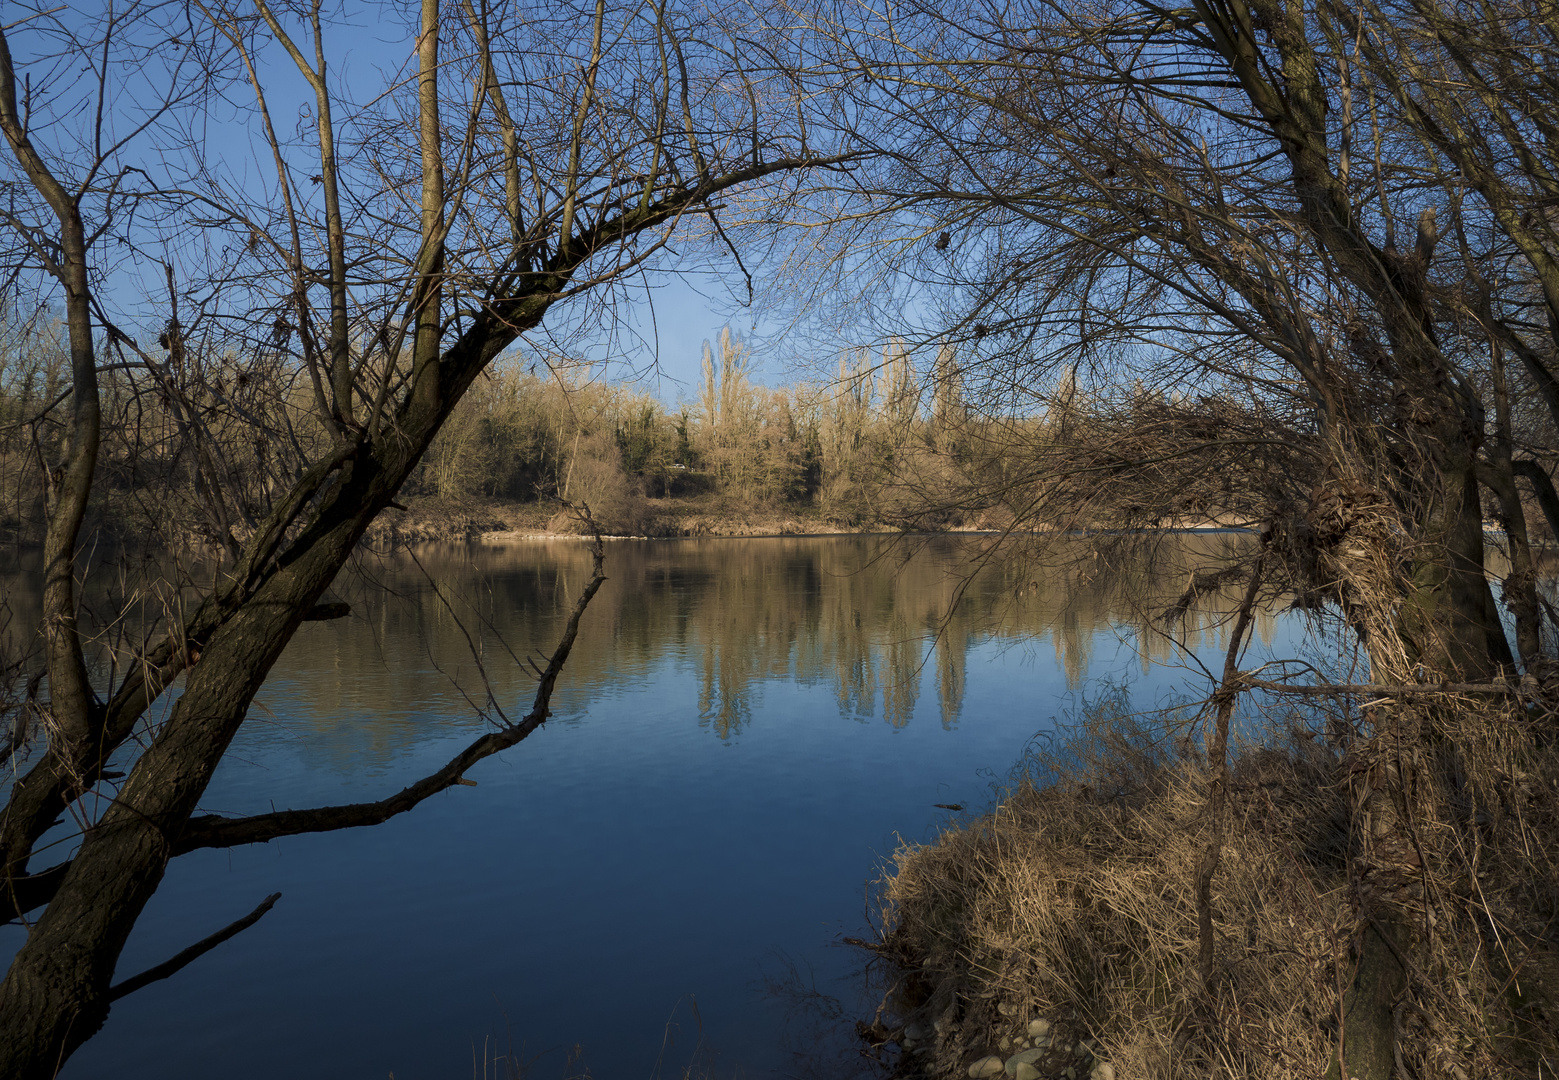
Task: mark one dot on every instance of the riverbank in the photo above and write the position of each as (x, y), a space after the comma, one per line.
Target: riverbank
(707, 515)
(432, 519)
(1057, 936)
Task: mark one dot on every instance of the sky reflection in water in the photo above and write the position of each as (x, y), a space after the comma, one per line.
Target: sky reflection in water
(746, 728)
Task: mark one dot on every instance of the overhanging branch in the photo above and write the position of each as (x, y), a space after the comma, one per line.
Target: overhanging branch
(213, 831)
(194, 952)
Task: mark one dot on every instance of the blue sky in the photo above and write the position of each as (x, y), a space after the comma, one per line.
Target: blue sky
(660, 339)
(684, 313)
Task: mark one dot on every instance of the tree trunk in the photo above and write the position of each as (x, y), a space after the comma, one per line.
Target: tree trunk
(55, 995)
(1449, 621)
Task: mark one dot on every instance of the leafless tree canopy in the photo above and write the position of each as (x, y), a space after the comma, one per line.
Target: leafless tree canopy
(1308, 251)
(1293, 266)
(269, 279)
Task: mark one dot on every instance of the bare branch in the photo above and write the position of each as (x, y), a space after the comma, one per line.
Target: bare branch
(213, 831)
(185, 957)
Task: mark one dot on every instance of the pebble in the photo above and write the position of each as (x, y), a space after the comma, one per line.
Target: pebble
(987, 1067)
(1024, 1057)
(1102, 1071)
(1039, 1029)
(1027, 1072)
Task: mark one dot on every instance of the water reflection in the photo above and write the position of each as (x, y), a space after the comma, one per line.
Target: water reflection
(861, 615)
(744, 728)
(866, 617)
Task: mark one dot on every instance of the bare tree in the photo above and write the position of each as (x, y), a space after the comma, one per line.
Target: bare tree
(1122, 199)
(1257, 263)
(330, 317)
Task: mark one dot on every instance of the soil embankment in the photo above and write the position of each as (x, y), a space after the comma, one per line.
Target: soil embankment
(433, 519)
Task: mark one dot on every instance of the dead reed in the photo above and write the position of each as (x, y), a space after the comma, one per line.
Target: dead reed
(1073, 902)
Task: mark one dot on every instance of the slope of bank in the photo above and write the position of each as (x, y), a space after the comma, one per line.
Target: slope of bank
(1057, 936)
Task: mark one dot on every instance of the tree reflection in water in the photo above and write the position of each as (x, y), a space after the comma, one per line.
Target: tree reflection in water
(862, 615)
(630, 801)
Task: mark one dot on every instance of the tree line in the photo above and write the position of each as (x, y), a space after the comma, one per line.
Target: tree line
(884, 440)
(835, 444)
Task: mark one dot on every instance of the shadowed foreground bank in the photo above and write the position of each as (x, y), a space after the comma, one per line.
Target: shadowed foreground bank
(1057, 935)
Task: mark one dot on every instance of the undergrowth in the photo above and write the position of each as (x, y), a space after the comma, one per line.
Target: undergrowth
(1073, 903)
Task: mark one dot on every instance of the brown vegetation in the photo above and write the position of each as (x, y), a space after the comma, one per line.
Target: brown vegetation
(1073, 902)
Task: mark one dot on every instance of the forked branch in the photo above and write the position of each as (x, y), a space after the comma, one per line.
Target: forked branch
(214, 831)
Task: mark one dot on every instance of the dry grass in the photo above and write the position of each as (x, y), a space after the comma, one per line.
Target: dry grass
(1073, 901)
(434, 519)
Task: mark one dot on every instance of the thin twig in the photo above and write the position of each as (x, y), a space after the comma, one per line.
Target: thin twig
(1411, 690)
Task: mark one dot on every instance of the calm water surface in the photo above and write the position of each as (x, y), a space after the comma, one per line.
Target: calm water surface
(661, 873)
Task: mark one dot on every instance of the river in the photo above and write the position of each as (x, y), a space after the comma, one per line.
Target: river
(660, 876)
